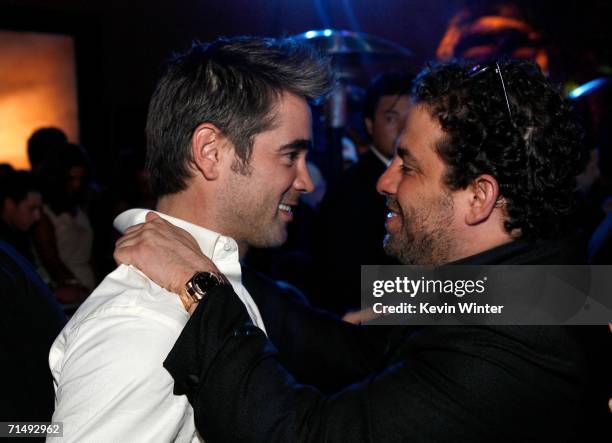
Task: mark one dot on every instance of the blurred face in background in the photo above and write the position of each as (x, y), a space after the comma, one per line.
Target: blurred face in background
(75, 180)
(22, 215)
(389, 119)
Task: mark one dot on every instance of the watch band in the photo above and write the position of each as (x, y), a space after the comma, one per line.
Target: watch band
(198, 286)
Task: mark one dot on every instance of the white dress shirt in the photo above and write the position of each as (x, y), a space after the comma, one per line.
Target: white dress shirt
(110, 385)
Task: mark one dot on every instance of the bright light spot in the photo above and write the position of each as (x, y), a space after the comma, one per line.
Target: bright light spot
(327, 32)
(311, 34)
(587, 87)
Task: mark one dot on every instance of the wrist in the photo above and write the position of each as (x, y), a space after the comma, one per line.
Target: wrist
(197, 264)
(198, 286)
(181, 279)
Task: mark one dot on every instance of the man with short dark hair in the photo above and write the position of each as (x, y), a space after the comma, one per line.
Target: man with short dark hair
(484, 174)
(20, 208)
(44, 143)
(228, 129)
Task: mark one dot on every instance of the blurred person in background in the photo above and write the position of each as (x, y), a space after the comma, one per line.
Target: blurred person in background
(5, 169)
(488, 30)
(64, 237)
(44, 142)
(351, 223)
(20, 209)
(30, 319)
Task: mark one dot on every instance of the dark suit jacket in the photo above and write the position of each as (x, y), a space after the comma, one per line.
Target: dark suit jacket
(350, 233)
(438, 384)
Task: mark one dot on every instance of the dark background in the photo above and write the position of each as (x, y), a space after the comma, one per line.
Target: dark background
(121, 45)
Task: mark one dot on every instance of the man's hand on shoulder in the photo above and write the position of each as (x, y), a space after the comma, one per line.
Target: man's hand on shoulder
(165, 253)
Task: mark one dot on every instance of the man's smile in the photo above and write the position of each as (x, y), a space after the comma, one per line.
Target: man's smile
(286, 211)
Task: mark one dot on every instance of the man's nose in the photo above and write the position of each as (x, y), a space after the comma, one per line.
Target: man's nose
(387, 183)
(303, 181)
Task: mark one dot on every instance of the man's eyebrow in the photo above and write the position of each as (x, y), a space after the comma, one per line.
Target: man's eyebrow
(398, 97)
(405, 154)
(301, 144)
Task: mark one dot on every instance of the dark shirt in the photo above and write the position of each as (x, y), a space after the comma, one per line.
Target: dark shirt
(435, 384)
(350, 233)
(17, 239)
(30, 320)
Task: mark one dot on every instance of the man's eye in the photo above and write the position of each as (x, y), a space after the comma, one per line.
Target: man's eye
(390, 119)
(292, 156)
(405, 169)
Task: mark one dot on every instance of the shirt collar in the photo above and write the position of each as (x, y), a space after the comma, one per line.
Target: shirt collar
(386, 161)
(212, 244)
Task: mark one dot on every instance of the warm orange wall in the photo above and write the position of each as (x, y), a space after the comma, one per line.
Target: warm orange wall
(37, 89)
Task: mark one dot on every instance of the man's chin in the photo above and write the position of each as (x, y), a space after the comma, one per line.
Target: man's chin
(401, 249)
(391, 247)
(274, 240)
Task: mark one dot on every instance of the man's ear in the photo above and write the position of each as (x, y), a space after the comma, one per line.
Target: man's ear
(207, 145)
(483, 194)
(368, 124)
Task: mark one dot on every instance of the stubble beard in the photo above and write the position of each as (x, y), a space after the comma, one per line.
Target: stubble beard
(425, 237)
(247, 218)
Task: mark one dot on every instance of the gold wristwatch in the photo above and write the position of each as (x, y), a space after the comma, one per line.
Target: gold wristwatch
(199, 285)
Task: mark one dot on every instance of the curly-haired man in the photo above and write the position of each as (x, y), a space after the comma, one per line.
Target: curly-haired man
(483, 174)
(489, 155)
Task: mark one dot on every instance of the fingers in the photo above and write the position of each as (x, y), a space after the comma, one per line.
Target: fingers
(134, 228)
(123, 255)
(152, 231)
(138, 243)
(164, 252)
(130, 247)
(359, 317)
(151, 216)
(158, 224)
(136, 236)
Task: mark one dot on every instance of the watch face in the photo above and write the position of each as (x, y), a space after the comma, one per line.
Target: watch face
(204, 281)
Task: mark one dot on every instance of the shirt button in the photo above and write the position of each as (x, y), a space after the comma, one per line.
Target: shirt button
(228, 247)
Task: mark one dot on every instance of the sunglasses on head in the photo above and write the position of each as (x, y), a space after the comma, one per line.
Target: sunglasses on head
(481, 69)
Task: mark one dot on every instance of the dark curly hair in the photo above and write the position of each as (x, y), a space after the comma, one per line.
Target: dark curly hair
(534, 151)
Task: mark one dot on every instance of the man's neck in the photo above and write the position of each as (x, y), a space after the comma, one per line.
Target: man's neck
(472, 251)
(184, 206)
(479, 244)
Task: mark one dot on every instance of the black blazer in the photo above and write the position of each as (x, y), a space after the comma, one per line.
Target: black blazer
(437, 384)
